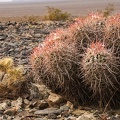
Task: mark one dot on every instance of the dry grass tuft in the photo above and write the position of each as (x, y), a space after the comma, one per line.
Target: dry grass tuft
(12, 79)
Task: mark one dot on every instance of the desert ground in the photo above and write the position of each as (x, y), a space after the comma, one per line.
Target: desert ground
(75, 7)
(18, 39)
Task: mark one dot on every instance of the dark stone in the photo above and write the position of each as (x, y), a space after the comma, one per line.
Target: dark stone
(48, 111)
(1, 111)
(3, 37)
(2, 28)
(52, 116)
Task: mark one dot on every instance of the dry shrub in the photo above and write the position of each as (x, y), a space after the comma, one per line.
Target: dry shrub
(12, 79)
(55, 14)
(108, 10)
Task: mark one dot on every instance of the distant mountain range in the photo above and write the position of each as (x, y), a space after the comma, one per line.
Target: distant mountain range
(32, 0)
(23, 1)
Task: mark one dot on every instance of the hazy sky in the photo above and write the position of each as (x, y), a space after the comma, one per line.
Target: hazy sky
(6, 0)
(14, 0)
(23, 0)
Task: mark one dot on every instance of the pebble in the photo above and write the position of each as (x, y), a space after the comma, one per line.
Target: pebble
(78, 112)
(3, 37)
(26, 101)
(4, 117)
(86, 117)
(40, 119)
(48, 111)
(55, 100)
(17, 118)
(17, 103)
(52, 116)
(3, 106)
(10, 112)
(42, 104)
(64, 108)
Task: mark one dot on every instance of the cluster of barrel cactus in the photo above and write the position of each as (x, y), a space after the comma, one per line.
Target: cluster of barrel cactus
(82, 62)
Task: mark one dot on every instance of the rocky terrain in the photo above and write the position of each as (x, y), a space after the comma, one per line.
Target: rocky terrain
(17, 39)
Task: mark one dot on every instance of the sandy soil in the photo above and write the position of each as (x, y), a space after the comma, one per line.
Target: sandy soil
(75, 7)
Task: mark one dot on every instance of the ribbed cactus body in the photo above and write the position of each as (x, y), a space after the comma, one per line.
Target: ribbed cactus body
(82, 62)
(56, 64)
(100, 71)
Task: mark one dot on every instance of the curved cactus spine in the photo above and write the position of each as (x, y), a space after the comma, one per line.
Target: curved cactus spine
(100, 68)
(68, 54)
(55, 62)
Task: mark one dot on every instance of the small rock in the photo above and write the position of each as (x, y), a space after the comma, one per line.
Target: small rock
(11, 44)
(23, 113)
(64, 108)
(2, 27)
(3, 106)
(17, 118)
(31, 110)
(4, 117)
(44, 32)
(48, 111)
(24, 61)
(113, 118)
(78, 112)
(10, 112)
(3, 37)
(44, 92)
(70, 105)
(32, 103)
(65, 114)
(34, 92)
(38, 35)
(55, 99)
(1, 111)
(9, 118)
(86, 117)
(40, 119)
(83, 118)
(17, 103)
(52, 116)
(71, 118)
(26, 101)
(42, 105)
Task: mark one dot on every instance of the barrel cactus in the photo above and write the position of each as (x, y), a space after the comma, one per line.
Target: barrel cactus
(98, 41)
(100, 69)
(55, 62)
(82, 62)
